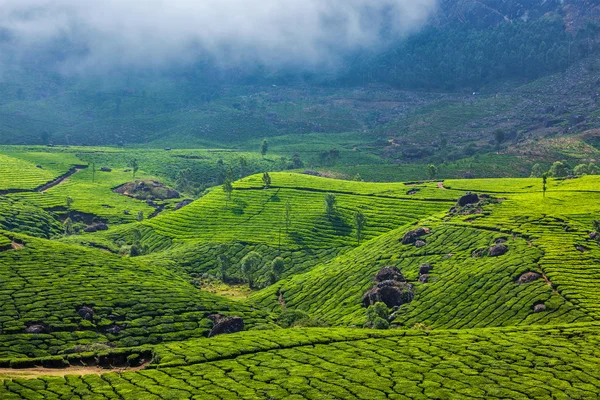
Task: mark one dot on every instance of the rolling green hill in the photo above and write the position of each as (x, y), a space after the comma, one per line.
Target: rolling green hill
(108, 323)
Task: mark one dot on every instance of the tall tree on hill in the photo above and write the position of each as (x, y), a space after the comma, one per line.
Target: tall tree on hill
(277, 267)
(243, 166)
(93, 165)
(222, 264)
(250, 263)
(228, 187)
(544, 182)
(134, 166)
(68, 224)
(266, 180)
(330, 204)
(360, 221)
(536, 171)
(432, 171)
(499, 137)
(264, 147)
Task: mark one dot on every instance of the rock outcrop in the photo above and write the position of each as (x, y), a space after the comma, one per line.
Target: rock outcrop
(225, 325)
(498, 250)
(389, 274)
(469, 198)
(391, 293)
(411, 237)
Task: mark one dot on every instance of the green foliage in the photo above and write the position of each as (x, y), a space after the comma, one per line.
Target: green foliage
(459, 56)
(536, 171)
(499, 136)
(585, 169)
(377, 316)
(134, 166)
(147, 303)
(68, 224)
(330, 205)
(228, 186)
(249, 265)
(277, 268)
(266, 178)
(432, 171)
(360, 221)
(264, 147)
(559, 169)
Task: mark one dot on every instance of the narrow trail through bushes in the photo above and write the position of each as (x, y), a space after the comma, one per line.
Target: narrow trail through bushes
(36, 372)
(60, 180)
(47, 186)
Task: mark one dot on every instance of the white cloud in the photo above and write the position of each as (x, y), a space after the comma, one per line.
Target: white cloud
(158, 32)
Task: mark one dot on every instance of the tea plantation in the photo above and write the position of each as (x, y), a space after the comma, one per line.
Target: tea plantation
(260, 291)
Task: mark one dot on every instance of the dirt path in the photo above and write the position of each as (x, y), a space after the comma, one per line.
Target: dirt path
(59, 181)
(32, 373)
(441, 185)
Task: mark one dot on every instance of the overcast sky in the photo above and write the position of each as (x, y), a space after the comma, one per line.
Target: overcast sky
(161, 32)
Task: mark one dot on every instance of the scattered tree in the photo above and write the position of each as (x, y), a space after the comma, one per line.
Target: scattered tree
(544, 181)
(250, 263)
(288, 215)
(222, 264)
(443, 142)
(360, 221)
(593, 169)
(559, 169)
(184, 179)
(140, 216)
(296, 161)
(377, 316)
(228, 187)
(134, 166)
(330, 157)
(69, 201)
(68, 225)
(536, 171)
(277, 267)
(432, 171)
(330, 204)
(264, 147)
(266, 180)
(243, 166)
(499, 137)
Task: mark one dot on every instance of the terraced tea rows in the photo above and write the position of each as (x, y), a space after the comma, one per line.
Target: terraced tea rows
(491, 364)
(462, 290)
(23, 217)
(27, 171)
(257, 216)
(203, 258)
(45, 286)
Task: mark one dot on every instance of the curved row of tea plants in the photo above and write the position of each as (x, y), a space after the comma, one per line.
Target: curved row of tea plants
(491, 364)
